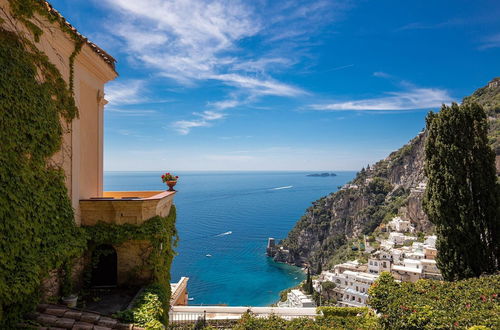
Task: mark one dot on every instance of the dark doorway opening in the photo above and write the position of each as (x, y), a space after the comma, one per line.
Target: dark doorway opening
(104, 270)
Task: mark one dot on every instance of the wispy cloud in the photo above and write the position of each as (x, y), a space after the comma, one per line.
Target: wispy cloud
(192, 42)
(132, 112)
(431, 26)
(381, 74)
(204, 120)
(128, 92)
(409, 99)
(492, 41)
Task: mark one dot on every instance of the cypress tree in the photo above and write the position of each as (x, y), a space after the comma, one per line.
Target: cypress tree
(462, 195)
(320, 268)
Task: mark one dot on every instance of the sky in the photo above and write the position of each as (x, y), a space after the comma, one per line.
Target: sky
(280, 85)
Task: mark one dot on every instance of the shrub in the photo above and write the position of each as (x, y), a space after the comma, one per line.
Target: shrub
(343, 311)
(429, 304)
(333, 321)
(148, 310)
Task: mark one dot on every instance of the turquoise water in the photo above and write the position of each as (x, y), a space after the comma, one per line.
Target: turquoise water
(251, 205)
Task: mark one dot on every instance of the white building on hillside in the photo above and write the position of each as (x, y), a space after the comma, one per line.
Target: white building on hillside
(352, 287)
(400, 225)
(379, 262)
(430, 241)
(296, 298)
(410, 271)
(430, 270)
(353, 265)
(400, 238)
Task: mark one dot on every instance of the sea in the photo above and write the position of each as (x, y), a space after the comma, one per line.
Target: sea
(224, 220)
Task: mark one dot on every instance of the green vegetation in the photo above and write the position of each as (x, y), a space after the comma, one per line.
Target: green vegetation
(37, 231)
(161, 233)
(334, 318)
(489, 99)
(307, 286)
(429, 304)
(462, 197)
(149, 309)
(327, 293)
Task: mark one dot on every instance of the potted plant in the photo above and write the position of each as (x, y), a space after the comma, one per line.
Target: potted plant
(69, 298)
(170, 180)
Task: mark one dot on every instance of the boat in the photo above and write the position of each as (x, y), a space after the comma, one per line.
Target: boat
(208, 255)
(190, 299)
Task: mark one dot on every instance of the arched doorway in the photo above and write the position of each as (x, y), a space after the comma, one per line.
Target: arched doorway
(104, 266)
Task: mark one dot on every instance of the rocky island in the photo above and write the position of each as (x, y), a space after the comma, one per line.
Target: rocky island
(322, 175)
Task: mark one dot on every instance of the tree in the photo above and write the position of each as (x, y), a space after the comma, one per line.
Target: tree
(320, 268)
(328, 287)
(462, 196)
(308, 285)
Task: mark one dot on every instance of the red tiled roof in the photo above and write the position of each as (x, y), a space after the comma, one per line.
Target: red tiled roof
(98, 50)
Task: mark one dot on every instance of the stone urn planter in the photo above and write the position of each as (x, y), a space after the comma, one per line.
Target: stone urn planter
(171, 185)
(70, 300)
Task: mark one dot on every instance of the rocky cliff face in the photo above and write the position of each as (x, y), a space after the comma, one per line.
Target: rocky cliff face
(393, 186)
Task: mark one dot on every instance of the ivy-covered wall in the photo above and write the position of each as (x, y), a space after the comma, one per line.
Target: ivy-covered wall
(37, 231)
(161, 234)
(37, 223)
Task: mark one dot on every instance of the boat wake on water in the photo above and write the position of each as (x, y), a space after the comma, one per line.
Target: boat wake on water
(224, 234)
(279, 188)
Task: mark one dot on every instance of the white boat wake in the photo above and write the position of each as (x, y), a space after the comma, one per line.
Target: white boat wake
(279, 188)
(224, 234)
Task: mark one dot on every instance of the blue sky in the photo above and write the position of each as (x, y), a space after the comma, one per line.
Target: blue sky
(281, 85)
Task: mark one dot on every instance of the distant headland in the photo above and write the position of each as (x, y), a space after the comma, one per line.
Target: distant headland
(322, 174)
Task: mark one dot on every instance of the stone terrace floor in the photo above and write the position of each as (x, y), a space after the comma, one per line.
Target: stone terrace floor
(56, 317)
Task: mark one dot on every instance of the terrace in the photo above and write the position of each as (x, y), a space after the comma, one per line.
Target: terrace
(125, 207)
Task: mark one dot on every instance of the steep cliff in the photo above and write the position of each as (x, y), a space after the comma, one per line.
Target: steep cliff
(393, 186)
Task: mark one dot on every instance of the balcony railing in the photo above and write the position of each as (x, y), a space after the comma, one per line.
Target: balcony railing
(121, 207)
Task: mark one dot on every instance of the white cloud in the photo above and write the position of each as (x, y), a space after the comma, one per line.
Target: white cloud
(381, 74)
(259, 86)
(210, 115)
(225, 104)
(185, 126)
(134, 112)
(492, 41)
(412, 98)
(128, 92)
(192, 41)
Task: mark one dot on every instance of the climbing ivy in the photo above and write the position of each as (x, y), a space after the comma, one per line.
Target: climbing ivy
(37, 230)
(162, 235)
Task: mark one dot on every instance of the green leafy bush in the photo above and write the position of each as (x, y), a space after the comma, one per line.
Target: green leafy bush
(161, 233)
(149, 309)
(429, 304)
(343, 311)
(273, 322)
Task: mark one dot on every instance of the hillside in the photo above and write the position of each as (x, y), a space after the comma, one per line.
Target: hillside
(392, 186)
